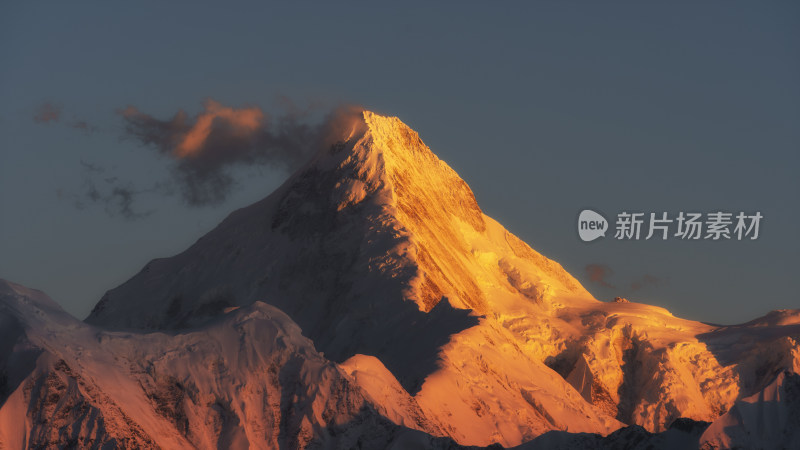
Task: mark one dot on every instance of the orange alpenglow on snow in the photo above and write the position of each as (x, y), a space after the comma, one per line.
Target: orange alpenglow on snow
(447, 326)
(241, 122)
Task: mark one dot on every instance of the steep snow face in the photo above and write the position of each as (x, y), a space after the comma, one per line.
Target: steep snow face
(376, 247)
(769, 419)
(48, 401)
(247, 379)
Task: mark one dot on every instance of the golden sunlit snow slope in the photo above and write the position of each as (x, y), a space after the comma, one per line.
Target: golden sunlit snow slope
(632, 362)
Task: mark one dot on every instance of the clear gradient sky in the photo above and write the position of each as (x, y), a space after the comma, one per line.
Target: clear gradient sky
(543, 109)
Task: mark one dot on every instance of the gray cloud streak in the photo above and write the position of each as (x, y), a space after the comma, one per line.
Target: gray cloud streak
(49, 112)
(598, 273)
(204, 149)
(46, 113)
(116, 198)
(646, 280)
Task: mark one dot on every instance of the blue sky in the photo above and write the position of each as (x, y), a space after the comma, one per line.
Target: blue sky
(542, 108)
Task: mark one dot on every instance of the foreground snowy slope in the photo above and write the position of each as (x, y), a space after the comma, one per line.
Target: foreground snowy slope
(247, 379)
(377, 247)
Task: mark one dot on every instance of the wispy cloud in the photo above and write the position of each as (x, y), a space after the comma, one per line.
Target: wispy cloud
(203, 149)
(646, 280)
(117, 199)
(202, 152)
(47, 112)
(82, 125)
(599, 273)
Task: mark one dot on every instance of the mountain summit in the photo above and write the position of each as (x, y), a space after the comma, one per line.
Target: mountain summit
(426, 312)
(378, 205)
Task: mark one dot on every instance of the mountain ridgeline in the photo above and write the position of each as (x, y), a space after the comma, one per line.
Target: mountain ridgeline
(369, 303)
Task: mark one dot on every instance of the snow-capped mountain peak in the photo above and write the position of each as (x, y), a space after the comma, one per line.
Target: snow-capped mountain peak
(441, 319)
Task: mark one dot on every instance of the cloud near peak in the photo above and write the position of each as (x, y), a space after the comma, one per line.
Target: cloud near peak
(205, 148)
(239, 123)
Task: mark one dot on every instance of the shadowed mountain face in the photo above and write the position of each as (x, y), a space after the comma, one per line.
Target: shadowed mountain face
(442, 320)
(331, 248)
